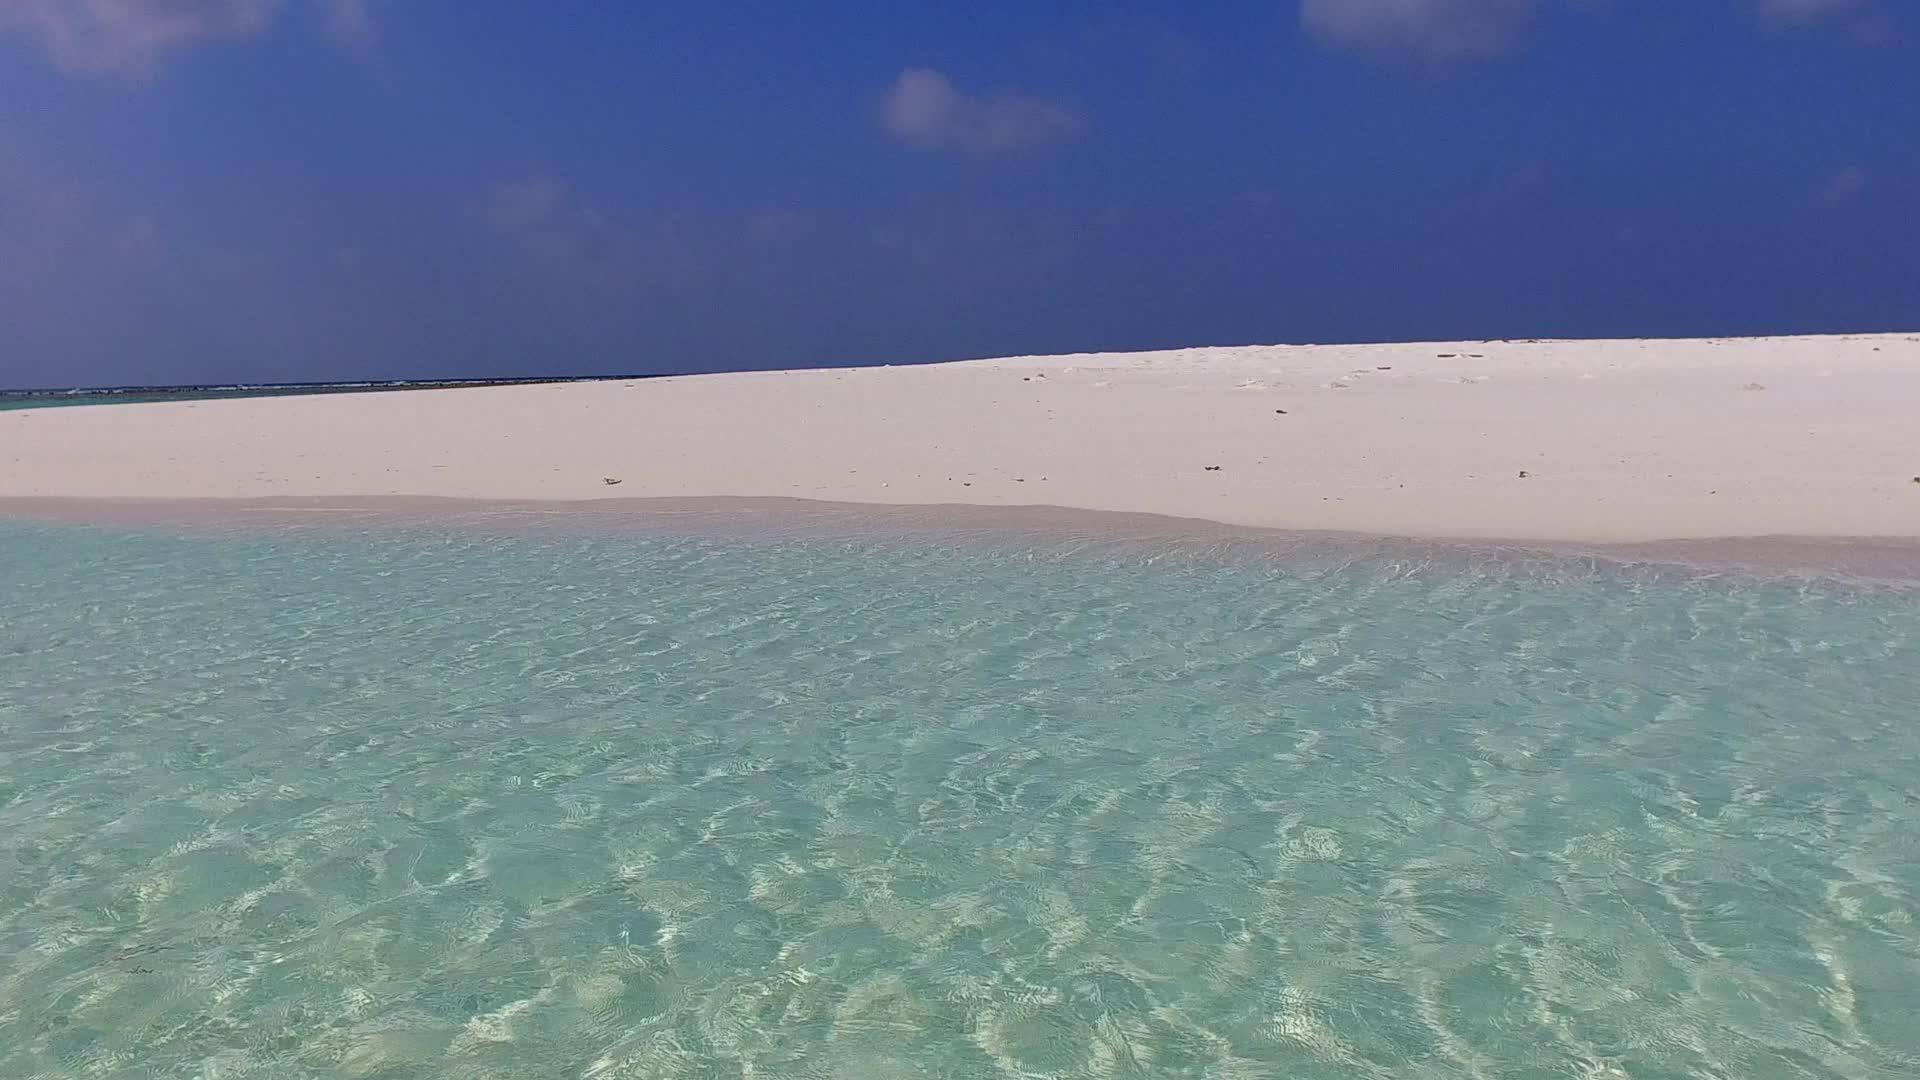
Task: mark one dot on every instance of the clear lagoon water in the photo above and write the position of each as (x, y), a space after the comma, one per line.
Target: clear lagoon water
(431, 804)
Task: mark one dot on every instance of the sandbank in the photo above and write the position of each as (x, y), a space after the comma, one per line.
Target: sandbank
(1602, 442)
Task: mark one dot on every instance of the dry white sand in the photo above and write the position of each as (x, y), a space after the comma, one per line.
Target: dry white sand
(1576, 440)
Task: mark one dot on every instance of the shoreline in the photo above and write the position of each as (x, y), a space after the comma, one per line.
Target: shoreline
(1548, 442)
(1872, 561)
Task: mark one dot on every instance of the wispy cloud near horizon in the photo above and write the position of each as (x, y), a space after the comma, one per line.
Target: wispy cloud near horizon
(1799, 12)
(543, 216)
(1846, 184)
(924, 108)
(1430, 30)
(129, 38)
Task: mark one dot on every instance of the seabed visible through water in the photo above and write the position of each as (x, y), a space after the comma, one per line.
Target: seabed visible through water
(726, 790)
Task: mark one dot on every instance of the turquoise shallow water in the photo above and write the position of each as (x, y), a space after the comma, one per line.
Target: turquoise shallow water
(442, 804)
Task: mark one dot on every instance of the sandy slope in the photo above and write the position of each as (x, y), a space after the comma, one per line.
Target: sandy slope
(1605, 440)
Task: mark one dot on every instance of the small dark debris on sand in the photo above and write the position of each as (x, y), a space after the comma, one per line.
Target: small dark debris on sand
(1523, 474)
(1282, 412)
(1446, 355)
(609, 480)
(1212, 468)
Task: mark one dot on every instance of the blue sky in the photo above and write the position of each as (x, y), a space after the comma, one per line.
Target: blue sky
(213, 190)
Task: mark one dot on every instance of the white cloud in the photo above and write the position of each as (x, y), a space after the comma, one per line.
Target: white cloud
(1432, 30)
(1843, 185)
(545, 217)
(925, 109)
(1798, 12)
(128, 38)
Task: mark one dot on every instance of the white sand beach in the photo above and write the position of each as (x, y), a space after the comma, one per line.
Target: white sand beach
(1595, 441)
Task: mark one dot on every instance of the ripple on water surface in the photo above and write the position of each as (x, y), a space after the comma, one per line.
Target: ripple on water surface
(440, 804)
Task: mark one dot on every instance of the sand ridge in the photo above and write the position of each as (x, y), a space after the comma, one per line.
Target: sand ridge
(1602, 441)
